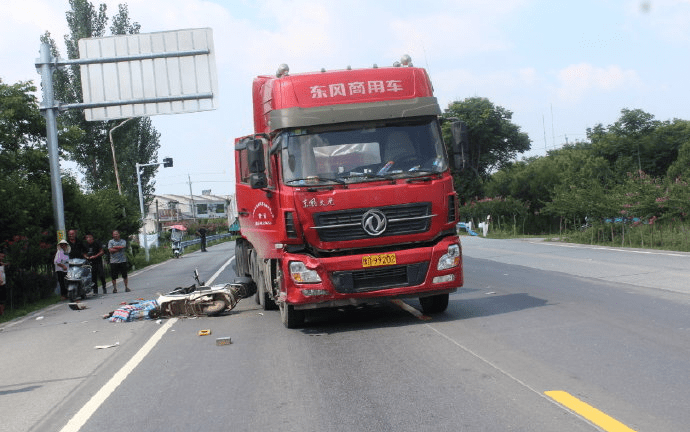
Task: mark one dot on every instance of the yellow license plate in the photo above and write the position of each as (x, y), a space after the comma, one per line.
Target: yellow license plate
(378, 260)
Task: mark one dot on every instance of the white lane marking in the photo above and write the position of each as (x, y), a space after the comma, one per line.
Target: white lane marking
(85, 413)
(220, 270)
(610, 249)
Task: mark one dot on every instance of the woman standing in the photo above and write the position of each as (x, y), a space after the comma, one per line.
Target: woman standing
(61, 262)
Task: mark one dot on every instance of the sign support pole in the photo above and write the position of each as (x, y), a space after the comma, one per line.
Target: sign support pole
(49, 111)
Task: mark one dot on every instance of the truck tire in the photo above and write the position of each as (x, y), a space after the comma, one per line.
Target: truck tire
(434, 304)
(263, 297)
(241, 258)
(291, 317)
(72, 289)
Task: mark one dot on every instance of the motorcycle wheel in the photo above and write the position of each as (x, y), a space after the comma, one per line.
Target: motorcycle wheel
(72, 291)
(214, 308)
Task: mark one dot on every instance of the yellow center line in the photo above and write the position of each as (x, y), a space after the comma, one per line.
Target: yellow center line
(590, 413)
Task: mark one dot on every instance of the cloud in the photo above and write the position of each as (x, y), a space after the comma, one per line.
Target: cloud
(577, 80)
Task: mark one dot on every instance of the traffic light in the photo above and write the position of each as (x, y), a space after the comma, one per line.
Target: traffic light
(167, 162)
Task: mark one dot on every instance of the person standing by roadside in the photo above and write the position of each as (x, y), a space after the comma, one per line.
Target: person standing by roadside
(3, 284)
(61, 262)
(118, 260)
(201, 232)
(93, 251)
(75, 245)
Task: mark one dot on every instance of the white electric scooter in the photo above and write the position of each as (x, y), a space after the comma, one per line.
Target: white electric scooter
(176, 238)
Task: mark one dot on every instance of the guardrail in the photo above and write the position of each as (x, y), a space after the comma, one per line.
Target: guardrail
(209, 239)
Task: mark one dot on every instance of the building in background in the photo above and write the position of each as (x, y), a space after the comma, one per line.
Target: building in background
(166, 210)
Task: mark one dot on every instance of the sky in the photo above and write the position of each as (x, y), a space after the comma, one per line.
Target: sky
(559, 67)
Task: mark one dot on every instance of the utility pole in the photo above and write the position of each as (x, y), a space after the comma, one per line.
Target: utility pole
(191, 197)
(158, 219)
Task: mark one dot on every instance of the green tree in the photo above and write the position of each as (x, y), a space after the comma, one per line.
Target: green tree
(680, 168)
(21, 123)
(532, 181)
(24, 169)
(679, 132)
(638, 142)
(494, 141)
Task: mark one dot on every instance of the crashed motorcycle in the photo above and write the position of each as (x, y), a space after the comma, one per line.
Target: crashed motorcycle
(205, 300)
(78, 279)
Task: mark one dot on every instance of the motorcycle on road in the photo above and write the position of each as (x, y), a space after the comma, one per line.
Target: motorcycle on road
(78, 279)
(176, 239)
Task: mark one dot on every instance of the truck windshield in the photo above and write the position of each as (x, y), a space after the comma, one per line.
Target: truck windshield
(362, 152)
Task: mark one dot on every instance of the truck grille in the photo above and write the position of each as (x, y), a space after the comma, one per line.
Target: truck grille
(367, 280)
(347, 224)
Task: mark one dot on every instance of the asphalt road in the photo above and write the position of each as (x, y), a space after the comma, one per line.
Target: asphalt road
(607, 329)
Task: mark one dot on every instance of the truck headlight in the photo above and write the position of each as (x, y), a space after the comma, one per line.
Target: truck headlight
(301, 274)
(450, 259)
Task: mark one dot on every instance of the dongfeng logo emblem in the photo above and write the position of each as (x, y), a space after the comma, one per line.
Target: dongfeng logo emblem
(374, 222)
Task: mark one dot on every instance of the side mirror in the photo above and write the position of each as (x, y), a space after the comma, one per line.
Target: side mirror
(257, 164)
(460, 145)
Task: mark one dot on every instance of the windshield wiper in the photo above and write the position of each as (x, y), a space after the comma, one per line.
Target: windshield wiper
(369, 175)
(310, 181)
(422, 172)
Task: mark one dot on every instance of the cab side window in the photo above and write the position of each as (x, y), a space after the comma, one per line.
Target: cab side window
(241, 156)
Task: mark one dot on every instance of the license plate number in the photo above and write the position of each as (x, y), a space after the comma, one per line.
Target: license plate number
(378, 260)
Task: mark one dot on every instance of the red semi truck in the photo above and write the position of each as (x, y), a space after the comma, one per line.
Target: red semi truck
(344, 192)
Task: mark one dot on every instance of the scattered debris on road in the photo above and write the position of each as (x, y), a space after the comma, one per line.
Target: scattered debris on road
(107, 346)
(223, 341)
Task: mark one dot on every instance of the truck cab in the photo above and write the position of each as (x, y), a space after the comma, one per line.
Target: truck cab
(345, 194)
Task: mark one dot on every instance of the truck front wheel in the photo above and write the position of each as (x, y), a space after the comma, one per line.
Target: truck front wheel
(434, 304)
(291, 317)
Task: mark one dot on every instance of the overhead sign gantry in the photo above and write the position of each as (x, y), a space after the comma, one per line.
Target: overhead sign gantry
(131, 76)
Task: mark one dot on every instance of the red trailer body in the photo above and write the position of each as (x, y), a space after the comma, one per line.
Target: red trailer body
(344, 192)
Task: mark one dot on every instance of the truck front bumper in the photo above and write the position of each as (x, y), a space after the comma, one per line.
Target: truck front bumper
(369, 278)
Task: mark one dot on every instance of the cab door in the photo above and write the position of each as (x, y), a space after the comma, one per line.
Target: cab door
(257, 200)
